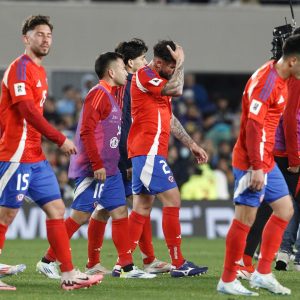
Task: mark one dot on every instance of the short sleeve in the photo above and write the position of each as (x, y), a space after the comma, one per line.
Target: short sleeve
(148, 81)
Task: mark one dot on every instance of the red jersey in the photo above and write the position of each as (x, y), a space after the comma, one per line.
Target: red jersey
(263, 101)
(22, 81)
(151, 115)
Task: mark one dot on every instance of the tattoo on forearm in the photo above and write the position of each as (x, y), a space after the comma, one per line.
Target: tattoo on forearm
(175, 86)
(179, 132)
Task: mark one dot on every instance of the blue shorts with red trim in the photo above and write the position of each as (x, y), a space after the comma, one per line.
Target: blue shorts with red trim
(275, 188)
(151, 175)
(36, 181)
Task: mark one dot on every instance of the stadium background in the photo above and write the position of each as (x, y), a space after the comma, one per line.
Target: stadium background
(224, 42)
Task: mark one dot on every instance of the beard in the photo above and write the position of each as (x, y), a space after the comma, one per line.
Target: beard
(40, 52)
(164, 75)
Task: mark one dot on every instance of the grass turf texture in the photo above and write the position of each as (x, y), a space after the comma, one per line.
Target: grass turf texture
(31, 285)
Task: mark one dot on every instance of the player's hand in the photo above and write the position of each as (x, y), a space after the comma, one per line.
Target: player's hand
(257, 180)
(129, 174)
(178, 54)
(100, 174)
(68, 147)
(294, 169)
(199, 153)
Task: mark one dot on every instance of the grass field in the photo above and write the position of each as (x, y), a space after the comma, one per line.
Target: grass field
(31, 285)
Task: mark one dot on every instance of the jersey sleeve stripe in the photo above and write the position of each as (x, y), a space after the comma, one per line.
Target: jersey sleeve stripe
(268, 87)
(21, 68)
(97, 98)
(139, 85)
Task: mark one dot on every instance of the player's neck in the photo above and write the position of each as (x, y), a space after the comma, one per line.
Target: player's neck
(36, 59)
(282, 69)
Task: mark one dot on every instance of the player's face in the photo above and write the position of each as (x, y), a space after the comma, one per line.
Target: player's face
(139, 62)
(296, 67)
(119, 72)
(167, 70)
(39, 40)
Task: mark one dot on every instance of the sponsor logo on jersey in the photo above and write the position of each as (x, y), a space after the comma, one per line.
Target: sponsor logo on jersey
(39, 84)
(281, 100)
(255, 107)
(20, 89)
(155, 81)
(114, 142)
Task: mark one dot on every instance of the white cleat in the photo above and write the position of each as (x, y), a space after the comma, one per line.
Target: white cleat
(49, 270)
(7, 270)
(157, 267)
(136, 273)
(268, 282)
(234, 288)
(75, 279)
(97, 269)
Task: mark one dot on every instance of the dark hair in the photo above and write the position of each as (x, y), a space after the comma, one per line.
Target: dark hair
(161, 50)
(103, 61)
(32, 21)
(131, 49)
(291, 46)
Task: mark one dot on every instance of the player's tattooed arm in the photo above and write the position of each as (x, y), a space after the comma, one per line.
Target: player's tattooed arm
(174, 86)
(180, 133)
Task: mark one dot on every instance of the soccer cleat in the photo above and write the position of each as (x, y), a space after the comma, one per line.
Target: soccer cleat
(6, 287)
(76, 280)
(116, 272)
(188, 269)
(157, 266)
(244, 272)
(136, 273)
(50, 270)
(7, 270)
(268, 282)
(234, 288)
(282, 261)
(97, 269)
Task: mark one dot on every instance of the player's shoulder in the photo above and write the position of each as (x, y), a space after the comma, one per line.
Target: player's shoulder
(21, 67)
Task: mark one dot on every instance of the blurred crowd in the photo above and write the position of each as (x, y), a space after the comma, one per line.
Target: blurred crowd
(212, 123)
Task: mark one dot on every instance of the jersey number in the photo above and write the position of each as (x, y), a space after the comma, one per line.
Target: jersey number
(164, 167)
(98, 190)
(22, 183)
(44, 95)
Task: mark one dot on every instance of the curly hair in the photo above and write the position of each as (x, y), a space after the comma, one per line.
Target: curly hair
(161, 50)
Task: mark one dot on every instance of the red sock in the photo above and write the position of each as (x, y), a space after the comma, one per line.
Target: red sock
(136, 225)
(172, 232)
(270, 243)
(71, 227)
(247, 260)
(3, 229)
(235, 246)
(60, 243)
(145, 243)
(96, 231)
(120, 236)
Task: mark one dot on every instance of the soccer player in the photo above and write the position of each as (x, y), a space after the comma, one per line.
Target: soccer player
(151, 91)
(134, 57)
(257, 177)
(24, 171)
(287, 158)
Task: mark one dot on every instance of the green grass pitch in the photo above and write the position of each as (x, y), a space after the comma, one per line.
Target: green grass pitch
(32, 286)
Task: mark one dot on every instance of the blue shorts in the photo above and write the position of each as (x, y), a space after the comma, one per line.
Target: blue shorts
(128, 187)
(151, 175)
(89, 193)
(275, 188)
(34, 180)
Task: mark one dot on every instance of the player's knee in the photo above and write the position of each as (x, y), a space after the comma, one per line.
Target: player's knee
(7, 217)
(101, 215)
